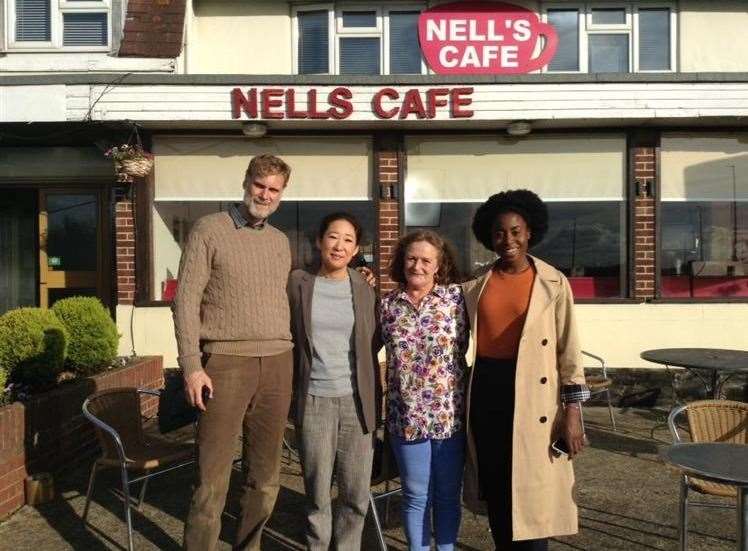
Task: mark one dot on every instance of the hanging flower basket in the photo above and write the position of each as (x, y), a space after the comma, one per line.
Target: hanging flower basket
(130, 161)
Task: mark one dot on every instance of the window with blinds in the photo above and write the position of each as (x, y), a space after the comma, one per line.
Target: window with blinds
(366, 40)
(60, 24)
(33, 22)
(84, 29)
(612, 38)
(654, 39)
(566, 23)
(313, 42)
(405, 51)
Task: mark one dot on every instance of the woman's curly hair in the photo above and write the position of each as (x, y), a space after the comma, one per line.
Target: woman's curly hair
(448, 272)
(520, 201)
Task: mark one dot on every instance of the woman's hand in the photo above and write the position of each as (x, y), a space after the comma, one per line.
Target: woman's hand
(573, 429)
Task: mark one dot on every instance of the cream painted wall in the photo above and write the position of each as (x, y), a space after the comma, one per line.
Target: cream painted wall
(153, 332)
(712, 36)
(616, 332)
(620, 332)
(235, 37)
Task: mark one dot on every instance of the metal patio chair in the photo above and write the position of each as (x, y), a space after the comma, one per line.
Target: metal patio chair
(117, 419)
(600, 384)
(708, 421)
(384, 471)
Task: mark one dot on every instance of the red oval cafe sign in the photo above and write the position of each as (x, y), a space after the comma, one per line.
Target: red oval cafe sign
(484, 38)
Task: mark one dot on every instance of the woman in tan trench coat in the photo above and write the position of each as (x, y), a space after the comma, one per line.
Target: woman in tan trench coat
(527, 381)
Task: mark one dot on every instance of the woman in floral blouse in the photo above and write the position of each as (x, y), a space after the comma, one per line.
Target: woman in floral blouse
(425, 330)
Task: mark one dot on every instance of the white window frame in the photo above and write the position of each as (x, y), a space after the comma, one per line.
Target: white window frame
(630, 28)
(337, 31)
(358, 32)
(581, 19)
(607, 27)
(376, 30)
(58, 9)
(673, 35)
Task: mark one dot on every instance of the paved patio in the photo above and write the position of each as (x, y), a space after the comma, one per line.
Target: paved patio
(627, 497)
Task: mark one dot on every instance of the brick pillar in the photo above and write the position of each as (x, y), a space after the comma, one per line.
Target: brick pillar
(124, 237)
(643, 159)
(388, 230)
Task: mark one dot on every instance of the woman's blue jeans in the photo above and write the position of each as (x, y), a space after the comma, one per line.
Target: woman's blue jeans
(431, 475)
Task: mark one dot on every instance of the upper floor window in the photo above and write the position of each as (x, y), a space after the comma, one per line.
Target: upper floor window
(82, 25)
(606, 37)
(357, 40)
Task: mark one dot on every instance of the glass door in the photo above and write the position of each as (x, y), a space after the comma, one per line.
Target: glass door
(70, 244)
(18, 266)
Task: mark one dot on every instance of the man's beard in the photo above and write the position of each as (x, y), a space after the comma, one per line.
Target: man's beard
(259, 211)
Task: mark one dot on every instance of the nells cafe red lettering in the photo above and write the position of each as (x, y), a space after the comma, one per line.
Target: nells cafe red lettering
(286, 103)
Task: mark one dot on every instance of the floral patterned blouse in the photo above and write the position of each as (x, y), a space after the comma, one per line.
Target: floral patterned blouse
(426, 368)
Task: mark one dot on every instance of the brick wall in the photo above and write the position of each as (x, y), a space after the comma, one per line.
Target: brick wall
(124, 258)
(388, 175)
(153, 28)
(643, 159)
(49, 432)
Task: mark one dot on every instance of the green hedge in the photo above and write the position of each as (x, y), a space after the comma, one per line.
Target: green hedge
(93, 334)
(33, 344)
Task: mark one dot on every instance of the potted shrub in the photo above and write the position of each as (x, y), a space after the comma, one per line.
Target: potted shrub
(33, 345)
(93, 334)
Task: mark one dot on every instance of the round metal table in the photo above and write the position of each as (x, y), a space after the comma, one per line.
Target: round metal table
(718, 462)
(714, 360)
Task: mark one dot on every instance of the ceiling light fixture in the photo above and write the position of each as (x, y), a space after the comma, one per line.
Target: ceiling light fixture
(519, 128)
(254, 129)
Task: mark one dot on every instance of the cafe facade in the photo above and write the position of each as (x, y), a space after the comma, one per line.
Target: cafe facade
(627, 118)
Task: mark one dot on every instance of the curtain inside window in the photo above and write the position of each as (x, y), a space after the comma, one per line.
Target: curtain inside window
(711, 167)
(558, 168)
(212, 169)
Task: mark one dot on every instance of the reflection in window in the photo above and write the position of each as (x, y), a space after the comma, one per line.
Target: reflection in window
(566, 23)
(299, 220)
(609, 53)
(704, 250)
(72, 228)
(585, 240)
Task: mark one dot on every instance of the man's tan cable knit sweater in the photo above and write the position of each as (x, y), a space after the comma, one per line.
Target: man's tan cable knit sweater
(231, 295)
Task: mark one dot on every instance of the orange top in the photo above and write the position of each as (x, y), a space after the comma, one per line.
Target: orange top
(501, 313)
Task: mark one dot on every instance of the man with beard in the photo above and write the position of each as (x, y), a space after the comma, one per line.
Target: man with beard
(233, 335)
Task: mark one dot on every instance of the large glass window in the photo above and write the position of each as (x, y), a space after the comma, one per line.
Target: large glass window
(362, 40)
(620, 38)
(580, 178)
(68, 24)
(195, 176)
(704, 216)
